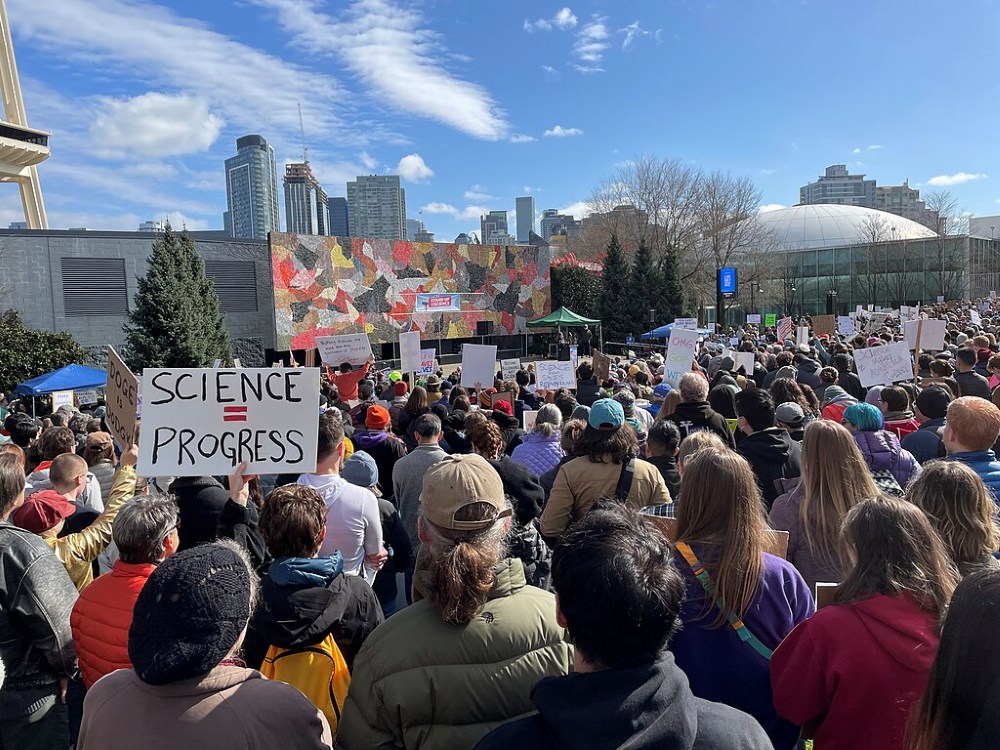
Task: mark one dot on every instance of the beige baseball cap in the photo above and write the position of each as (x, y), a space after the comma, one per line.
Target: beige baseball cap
(458, 481)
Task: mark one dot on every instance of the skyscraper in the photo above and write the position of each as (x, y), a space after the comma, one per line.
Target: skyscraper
(525, 208)
(306, 209)
(493, 228)
(340, 222)
(837, 185)
(251, 190)
(377, 207)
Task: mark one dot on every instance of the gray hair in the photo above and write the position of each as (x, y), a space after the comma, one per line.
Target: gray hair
(548, 420)
(693, 387)
(142, 525)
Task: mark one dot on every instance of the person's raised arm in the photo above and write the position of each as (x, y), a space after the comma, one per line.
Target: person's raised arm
(239, 518)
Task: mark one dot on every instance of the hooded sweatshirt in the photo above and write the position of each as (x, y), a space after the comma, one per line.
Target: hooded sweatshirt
(353, 524)
(692, 416)
(809, 373)
(642, 708)
(835, 401)
(39, 480)
(772, 455)
(852, 671)
(385, 450)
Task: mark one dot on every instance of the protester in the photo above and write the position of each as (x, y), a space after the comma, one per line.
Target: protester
(572, 431)
(376, 441)
(99, 453)
(407, 689)
(186, 688)
(750, 599)
(791, 419)
(539, 450)
(348, 378)
(626, 690)
(605, 467)
(850, 673)
(664, 439)
(770, 450)
(510, 428)
(50, 444)
(894, 402)
(694, 413)
(890, 464)
(398, 399)
(366, 399)
(834, 479)
(962, 511)
(416, 406)
(970, 382)
(36, 647)
(200, 501)
(971, 428)
(925, 443)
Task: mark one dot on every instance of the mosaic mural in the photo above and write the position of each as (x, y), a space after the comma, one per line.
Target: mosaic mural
(333, 285)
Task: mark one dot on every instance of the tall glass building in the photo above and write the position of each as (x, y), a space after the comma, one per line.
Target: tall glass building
(377, 207)
(525, 209)
(251, 190)
(306, 207)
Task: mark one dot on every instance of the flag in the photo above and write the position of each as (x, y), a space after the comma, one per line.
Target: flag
(785, 328)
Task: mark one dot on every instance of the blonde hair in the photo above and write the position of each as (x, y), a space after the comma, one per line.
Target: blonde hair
(697, 441)
(721, 507)
(669, 405)
(835, 478)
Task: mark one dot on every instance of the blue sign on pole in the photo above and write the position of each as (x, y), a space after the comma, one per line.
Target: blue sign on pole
(727, 282)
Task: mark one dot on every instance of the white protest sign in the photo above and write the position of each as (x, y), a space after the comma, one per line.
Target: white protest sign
(680, 352)
(352, 347)
(993, 295)
(845, 325)
(883, 365)
(529, 418)
(122, 395)
(688, 324)
(802, 336)
(753, 319)
(237, 364)
(931, 334)
(574, 356)
(744, 360)
(974, 317)
(509, 368)
(83, 398)
(940, 298)
(478, 365)
(409, 351)
(552, 374)
(207, 421)
(426, 362)
(61, 398)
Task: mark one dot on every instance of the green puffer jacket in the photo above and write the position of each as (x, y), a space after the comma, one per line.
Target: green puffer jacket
(420, 682)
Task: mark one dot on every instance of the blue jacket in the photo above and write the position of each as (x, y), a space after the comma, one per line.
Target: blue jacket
(925, 444)
(985, 464)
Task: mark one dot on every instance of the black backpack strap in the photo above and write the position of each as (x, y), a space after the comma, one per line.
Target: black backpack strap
(625, 481)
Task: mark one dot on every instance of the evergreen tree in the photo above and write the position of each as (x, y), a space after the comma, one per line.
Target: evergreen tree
(643, 290)
(614, 294)
(671, 293)
(576, 288)
(176, 320)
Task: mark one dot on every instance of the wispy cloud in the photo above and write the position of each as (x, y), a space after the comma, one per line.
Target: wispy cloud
(551, 72)
(563, 20)
(766, 172)
(560, 132)
(478, 193)
(947, 180)
(469, 213)
(529, 189)
(873, 147)
(413, 168)
(367, 160)
(591, 44)
(635, 31)
(522, 138)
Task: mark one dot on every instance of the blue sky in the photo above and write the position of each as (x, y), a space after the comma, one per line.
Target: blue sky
(475, 102)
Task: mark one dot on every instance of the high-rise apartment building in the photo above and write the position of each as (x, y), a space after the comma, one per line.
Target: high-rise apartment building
(251, 190)
(306, 209)
(377, 207)
(493, 228)
(903, 200)
(555, 223)
(412, 227)
(525, 210)
(340, 221)
(837, 185)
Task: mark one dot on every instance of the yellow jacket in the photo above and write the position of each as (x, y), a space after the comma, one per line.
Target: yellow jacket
(78, 551)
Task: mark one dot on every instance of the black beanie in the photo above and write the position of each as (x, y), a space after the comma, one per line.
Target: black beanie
(933, 401)
(189, 614)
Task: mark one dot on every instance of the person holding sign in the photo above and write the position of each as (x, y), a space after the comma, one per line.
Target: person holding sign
(348, 378)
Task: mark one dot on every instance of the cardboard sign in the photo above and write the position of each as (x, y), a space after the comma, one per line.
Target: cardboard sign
(529, 417)
(744, 360)
(688, 324)
(122, 395)
(825, 325)
(84, 398)
(883, 365)
(505, 396)
(61, 398)
(602, 367)
(203, 421)
(509, 368)
(353, 348)
(427, 362)
(931, 334)
(680, 353)
(845, 325)
(802, 336)
(753, 319)
(552, 374)
(478, 365)
(409, 351)
(771, 321)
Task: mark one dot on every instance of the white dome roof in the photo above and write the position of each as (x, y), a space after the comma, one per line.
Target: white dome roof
(833, 225)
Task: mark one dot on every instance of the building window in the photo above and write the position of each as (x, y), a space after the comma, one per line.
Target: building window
(235, 283)
(94, 286)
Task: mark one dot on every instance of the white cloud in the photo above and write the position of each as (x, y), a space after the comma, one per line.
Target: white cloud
(767, 207)
(551, 72)
(591, 43)
(765, 171)
(367, 160)
(560, 132)
(521, 138)
(632, 32)
(469, 213)
(873, 147)
(856, 151)
(179, 220)
(563, 20)
(388, 47)
(587, 69)
(155, 124)
(529, 189)
(946, 180)
(478, 193)
(412, 167)
(579, 210)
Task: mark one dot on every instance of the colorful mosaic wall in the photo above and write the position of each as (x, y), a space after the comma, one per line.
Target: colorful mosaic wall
(332, 285)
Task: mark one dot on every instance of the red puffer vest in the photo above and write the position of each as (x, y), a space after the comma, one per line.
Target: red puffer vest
(101, 619)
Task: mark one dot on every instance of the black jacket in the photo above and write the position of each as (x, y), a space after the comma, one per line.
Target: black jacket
(549, 478)
(510, 430)
(851, 383)
(36, 599)
(587, 392)
(772, 454)
(692, 416)
(290, 616)
(453, 429)
(522, 487)
(200, 501)
(240, 523)
(809, 373)
(649, 707)
(394, 537)
(668, 470)
(973, 384)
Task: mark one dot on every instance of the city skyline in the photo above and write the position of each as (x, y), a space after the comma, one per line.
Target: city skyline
(157, 92)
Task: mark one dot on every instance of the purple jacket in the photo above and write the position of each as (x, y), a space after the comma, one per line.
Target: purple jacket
(539, 454)
(882, 450)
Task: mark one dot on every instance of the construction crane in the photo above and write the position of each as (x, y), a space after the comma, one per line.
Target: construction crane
(302, 128)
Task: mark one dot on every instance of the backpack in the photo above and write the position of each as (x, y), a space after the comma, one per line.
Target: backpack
(319, 672)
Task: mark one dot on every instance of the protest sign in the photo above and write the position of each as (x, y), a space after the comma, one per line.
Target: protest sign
(505, 396)
(825, 325)
(974, 317)
(352, 347)
(574, 356)
(802, 336)
(238, 365)
(993, 295)
(940, 298)
(753, 319)
(552, 374)
(207, 421)
(771, 320)
(931, 334)
(122, 395)
(744, 360)
(602, 366)
(529, 417)
(61, 398)
(883, 365)
(427, 363)
(478, 365)
(409, 351)
(509, 368)
(845, 325)
(310, 357)
(85, 398)
(688, 324)
(680, 354)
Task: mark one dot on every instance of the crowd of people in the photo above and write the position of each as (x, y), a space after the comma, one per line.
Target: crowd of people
(750, 558)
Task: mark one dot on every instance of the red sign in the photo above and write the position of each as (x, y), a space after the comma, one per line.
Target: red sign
(438, 302)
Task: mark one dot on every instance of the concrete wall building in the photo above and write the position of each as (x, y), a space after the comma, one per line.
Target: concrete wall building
(493, 228)
(306, 209)
(377, 207)
(251, 190)
(340, 222)
(412, 227)
(837, 185)
(904, 201)
(147, 226)
(525, 210)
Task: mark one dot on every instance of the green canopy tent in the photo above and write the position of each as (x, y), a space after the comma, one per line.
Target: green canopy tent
(566, 318)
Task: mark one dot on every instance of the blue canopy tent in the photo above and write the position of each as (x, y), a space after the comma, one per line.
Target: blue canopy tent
(68, 378)
(663, 332)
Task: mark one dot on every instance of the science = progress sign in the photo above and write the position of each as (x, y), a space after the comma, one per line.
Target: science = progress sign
(206, 422)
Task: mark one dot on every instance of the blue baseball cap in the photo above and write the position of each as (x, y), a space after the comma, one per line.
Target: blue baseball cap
(662, 390)
(360, 469)
(606, 414)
